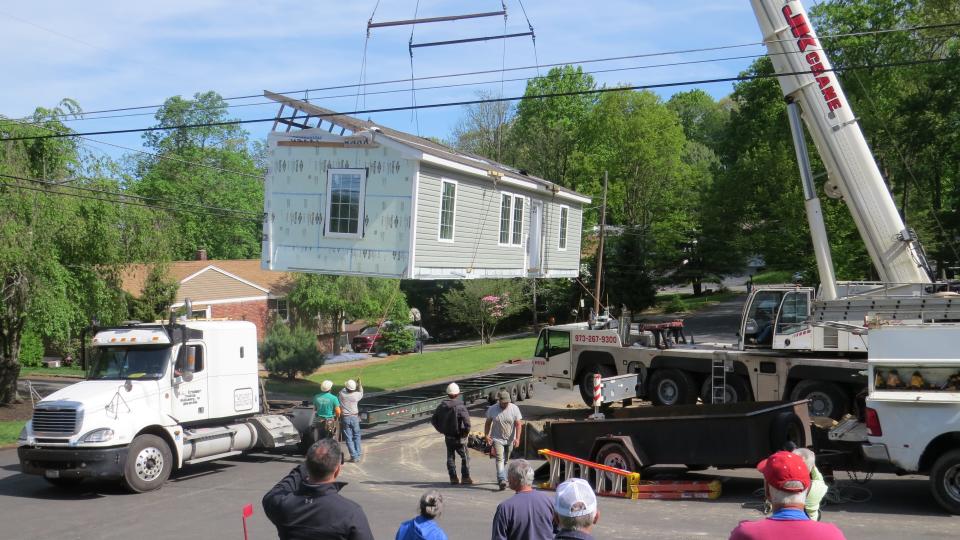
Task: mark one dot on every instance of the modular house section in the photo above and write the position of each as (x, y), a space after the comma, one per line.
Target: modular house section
(345, 196)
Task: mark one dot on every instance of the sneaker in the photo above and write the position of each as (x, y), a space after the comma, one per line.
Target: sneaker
(503, 485)
(467, 481)
(454, 480)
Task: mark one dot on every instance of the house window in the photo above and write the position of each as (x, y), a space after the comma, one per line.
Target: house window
(511, 220)
(345, 206)
(278, 308)
(448, 201)
(564, 213)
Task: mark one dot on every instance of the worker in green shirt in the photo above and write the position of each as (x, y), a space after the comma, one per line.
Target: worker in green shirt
(328, 412)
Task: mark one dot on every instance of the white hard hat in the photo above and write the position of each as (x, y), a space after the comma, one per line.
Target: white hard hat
(326, 386)
(351, 385)
(453, 389)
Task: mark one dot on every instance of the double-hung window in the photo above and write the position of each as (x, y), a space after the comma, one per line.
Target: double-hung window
(511, 219)
(345, 202)
(448, 207)
(564, 219)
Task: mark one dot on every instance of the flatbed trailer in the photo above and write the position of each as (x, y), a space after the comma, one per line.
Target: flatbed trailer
(421, 401)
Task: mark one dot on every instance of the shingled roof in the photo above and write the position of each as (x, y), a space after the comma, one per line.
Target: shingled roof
(278, 283)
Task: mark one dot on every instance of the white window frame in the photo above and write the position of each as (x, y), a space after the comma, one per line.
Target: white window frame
(329, 202)
(453, 212)
(511, 221)
(563, 229)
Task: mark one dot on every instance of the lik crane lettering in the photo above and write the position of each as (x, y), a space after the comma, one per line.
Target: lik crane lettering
(800, 28)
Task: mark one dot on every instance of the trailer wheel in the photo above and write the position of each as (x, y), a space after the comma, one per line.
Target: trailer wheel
(148, 466)
(491, 398)
(672, 387)
(786, 427)
(523, 391)
(826, 398)
(586, 380)
(514, 394)
(530, 389)
(735, 390)
(945, 481)
(613, 454)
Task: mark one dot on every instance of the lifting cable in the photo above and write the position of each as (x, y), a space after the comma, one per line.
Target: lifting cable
(413, 89)
(362, 83)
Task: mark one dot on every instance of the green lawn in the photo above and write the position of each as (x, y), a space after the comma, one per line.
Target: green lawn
(412, 369)
(773, 277)
(10, 430)
(693, 303)
(51, 372)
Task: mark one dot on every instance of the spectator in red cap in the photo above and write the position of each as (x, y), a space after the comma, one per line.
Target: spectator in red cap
(786, 482)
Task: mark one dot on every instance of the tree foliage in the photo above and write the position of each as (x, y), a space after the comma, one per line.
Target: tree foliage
(483, 303)
(290, 350)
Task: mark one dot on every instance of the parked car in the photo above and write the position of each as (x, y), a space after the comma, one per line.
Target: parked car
(370, 339)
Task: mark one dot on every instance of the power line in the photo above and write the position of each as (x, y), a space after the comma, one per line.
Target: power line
(210, 210)
(596, 91)
(558, 64)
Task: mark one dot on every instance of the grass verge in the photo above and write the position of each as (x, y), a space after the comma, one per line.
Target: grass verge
(412, 369)
(51, 372)
(10, 430)
(773, 277)
(690, 302)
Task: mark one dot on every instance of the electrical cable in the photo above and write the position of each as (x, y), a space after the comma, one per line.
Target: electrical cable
(596, 91)
(558, 64)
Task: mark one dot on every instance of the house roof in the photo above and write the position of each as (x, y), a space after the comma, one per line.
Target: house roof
(275, 283)
(421, 144)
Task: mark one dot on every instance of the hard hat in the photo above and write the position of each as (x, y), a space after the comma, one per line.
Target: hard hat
(351, 385)
(453, 389)
(326, 386)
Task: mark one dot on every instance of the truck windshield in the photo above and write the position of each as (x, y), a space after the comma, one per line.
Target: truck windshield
(118, 363)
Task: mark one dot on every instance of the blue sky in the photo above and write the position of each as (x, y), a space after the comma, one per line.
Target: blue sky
(110, 54)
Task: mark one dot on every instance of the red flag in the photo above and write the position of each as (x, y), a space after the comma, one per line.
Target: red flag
(247, 512)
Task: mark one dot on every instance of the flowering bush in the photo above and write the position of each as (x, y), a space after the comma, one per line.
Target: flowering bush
(484, 303)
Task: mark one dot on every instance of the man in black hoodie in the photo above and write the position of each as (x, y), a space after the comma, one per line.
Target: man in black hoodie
(452, 419)
(307, 504)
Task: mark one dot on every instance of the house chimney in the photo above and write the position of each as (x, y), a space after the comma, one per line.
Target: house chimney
(201, 255)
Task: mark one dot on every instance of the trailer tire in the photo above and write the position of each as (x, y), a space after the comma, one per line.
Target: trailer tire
(514, 393)
(736, 390)
(613, 454)
(586, 380)
(529, 389)
(523, 391)
(786, 427)
(826, 398)
(671, 386)
(148, 466)
(945, 481)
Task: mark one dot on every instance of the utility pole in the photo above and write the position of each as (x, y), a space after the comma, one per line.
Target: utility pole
(603, 223)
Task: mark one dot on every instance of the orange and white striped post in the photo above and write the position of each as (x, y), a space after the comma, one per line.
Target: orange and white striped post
(597, 396)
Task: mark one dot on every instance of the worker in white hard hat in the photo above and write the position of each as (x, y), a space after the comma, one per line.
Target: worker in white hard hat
(350, 398)
(453, 421)
(328, 412)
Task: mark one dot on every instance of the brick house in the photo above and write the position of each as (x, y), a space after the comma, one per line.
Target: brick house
(227, 289)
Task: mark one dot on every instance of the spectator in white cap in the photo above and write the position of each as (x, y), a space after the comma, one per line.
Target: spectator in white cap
(453, 421)
(328, 411)
(350, 398)
(576, 508)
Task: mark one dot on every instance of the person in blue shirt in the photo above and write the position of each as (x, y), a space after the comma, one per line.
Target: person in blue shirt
(424, 526)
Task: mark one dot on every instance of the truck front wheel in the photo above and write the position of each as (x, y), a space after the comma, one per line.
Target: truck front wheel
(672, 387)
(945, 481)
(148, 466)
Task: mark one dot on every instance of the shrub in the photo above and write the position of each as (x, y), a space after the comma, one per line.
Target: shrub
(289, 351)
(31, 349)
(396, 339)
(675, 304)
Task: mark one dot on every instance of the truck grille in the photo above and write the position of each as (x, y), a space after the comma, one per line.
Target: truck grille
(61, 421)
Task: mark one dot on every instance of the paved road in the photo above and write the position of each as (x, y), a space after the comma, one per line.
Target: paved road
(717, 323)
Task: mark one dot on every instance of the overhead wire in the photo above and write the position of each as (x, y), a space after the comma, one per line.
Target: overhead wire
(555, 64)
(413, 90)
(595, 91)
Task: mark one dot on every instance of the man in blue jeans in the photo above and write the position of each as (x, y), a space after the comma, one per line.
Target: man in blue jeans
(502, 430)
(350, 398)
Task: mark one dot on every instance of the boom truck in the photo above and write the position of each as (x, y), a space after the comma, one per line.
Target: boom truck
(793, 342)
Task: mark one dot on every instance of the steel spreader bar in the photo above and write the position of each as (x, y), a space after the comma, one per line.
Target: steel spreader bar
(468, 40)
(406, 22)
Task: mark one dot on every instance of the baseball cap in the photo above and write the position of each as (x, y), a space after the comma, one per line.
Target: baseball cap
(503, 395)
(785, 471)
(326, 386)
(453, 389)
(351, 385)
(575, 498)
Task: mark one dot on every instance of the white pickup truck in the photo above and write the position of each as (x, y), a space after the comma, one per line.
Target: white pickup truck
(157, 397)
(913, 405)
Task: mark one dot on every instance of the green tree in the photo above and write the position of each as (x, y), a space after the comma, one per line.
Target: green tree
(290, 350)
(483, 303)
(211, 166)
(339, 298)
(159, 292)
(484, 127)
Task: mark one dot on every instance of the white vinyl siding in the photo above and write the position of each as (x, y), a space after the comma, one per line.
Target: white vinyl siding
(345, 207)
(448, 205)
(564, 218)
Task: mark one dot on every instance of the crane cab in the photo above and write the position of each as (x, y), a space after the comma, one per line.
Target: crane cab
(776, 318)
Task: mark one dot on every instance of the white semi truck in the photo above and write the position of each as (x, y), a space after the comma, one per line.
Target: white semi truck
(794, 342)
(157, 397)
